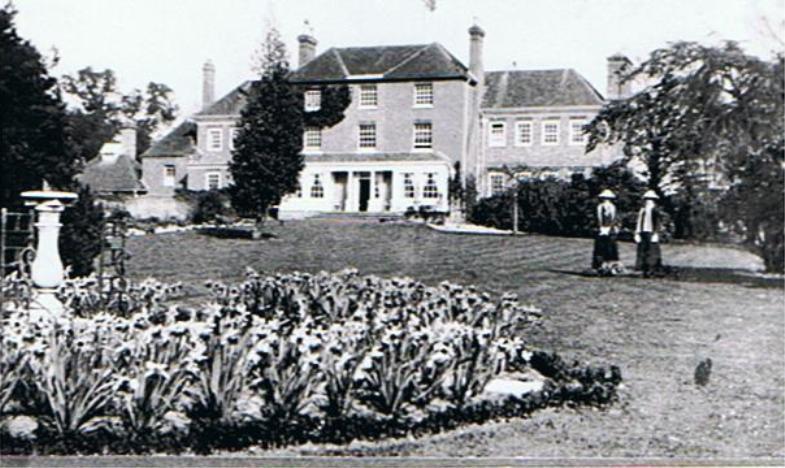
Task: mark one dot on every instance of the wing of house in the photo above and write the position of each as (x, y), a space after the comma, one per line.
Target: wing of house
(416, 113)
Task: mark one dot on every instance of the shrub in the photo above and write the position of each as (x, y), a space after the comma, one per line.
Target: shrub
(210, 207)
(567, 208)
(82, 234)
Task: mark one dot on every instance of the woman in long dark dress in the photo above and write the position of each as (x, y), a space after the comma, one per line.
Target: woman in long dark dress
(649, 257)
(606, 253)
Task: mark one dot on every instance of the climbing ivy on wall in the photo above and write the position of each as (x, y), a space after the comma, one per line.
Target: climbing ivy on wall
(334, 101)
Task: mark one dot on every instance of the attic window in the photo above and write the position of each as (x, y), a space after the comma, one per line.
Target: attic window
(423, 94)
(313, 100)
(369, 96)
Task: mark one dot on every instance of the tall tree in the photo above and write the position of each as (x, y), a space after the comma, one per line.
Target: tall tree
(102, 109)
(267, 158)
(34, 143)
(706, 106)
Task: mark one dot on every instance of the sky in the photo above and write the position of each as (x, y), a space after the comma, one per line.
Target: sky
(168, 41)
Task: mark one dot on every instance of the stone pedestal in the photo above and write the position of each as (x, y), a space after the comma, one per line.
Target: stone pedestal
(46, 270)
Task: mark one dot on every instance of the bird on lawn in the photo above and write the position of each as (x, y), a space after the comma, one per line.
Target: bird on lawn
(703, 372)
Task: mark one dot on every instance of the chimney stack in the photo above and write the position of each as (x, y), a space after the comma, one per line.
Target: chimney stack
(128, 140)
(476, 35)
(618, 65)
(307, 49)
(208, 84)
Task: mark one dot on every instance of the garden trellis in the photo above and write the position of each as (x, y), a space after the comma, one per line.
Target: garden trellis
(111, 266)
(17, 241)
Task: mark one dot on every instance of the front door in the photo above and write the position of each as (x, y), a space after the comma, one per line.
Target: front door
(365, 193)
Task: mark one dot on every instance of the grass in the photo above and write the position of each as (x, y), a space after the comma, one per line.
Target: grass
(655, 330)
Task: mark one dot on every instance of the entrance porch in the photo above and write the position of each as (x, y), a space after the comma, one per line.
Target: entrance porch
(368, 187)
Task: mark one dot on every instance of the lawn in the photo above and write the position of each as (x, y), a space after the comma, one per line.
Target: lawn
(655, 330)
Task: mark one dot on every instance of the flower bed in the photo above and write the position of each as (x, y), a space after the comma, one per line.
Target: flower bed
(275, 360)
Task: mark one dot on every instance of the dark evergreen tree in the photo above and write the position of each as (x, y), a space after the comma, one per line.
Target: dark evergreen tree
(34, 142)
(267, 159)
(81, 234)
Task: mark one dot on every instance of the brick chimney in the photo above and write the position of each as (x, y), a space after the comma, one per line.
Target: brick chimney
(307, 49)
(208, 84)
(476, 35)
(618, 64)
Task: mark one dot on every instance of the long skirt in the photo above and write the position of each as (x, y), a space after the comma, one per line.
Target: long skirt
(605, 250)
(649, 256)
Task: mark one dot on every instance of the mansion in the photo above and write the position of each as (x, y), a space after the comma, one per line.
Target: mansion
(416, 113)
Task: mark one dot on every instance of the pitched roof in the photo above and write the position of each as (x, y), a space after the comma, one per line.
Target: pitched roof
(376, 157)
(178, 142)
(538, 88)
(113, 175)
(231, 104)
(428, 61)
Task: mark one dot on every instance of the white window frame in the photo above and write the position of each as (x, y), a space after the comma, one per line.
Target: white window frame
(409, 190)
(169, 181)
(497, 140)
(365, 147)
(494, 177)
(423, 94)
(430, 189)
(313, 100)
(233, 136)
(310, 132)
(519, 125)
(422, 145)
(369, 96)
(207, 176)
(583, 137)
(317, 187)
(545, 133)
(215, 139)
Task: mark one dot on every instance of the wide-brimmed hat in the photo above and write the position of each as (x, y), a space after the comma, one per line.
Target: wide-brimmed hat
(651, 195)
(607, 194)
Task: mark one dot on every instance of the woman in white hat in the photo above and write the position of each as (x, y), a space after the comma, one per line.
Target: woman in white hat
(649, 256)
(606, 253)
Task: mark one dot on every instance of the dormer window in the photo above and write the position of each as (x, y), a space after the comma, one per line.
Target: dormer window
(369, 97)
(313, 100)
(423, 95)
